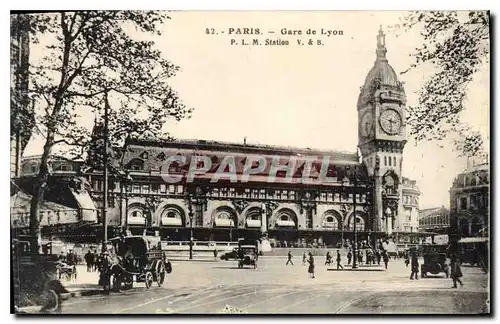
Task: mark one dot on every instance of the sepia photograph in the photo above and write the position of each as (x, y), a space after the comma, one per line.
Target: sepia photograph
(250, 162)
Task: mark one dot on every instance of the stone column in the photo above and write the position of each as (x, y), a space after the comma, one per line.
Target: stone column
(378, 206)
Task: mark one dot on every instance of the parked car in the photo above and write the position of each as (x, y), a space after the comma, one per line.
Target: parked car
(230, 255)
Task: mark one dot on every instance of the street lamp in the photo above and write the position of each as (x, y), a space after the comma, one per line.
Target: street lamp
(190, 233)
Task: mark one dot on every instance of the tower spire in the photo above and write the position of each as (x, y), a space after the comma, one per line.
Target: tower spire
(381, 49)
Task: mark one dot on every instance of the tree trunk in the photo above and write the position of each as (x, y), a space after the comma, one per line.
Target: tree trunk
(40, 186)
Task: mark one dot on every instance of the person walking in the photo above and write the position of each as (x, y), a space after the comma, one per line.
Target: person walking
(328, 258)
(304, 258)
(289, 258)
(349, 256)
(311, 265)
(386, 259)
(414, 266)
(456, 272)
(338, 261)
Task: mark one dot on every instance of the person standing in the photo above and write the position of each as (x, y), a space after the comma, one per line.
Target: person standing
(414, 266)
(456, 272)
(378, 256)
(304, 258)
(339, 259)
(386, 259)
(349, 256)
(88, 260)
(289, 258)
(215, 254)
(311, 265)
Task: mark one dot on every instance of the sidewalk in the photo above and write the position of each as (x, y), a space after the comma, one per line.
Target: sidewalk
(85, 283)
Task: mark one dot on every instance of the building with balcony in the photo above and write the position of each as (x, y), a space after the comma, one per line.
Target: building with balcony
(408, 220)
(469, 199)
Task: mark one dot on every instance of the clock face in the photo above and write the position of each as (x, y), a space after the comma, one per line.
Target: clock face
(390, 121)
(367, 125)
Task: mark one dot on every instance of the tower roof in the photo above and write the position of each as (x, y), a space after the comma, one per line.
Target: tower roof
(380, 74)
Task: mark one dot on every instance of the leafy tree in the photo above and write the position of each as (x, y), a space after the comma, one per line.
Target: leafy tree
(91, 58)
(456, 44)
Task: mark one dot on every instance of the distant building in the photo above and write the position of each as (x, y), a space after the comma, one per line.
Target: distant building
(408, 220)
(469, 199)
(435, 220)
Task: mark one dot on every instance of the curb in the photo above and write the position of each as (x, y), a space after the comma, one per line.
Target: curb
(357, 269)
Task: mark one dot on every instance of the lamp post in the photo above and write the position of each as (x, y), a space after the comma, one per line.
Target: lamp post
(355, 250)
(191, 234)
(190, 214)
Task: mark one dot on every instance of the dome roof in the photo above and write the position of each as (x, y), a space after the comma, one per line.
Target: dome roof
(383, 72)
(380, 74)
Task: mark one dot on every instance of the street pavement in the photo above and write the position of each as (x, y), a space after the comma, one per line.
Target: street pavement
(274, 288)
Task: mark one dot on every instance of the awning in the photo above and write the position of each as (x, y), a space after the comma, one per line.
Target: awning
(86, 205)
(224, 222)
(473, 240)
(171, 221)
(50, 213)
(285, 223)
(136, 220)
(253, 223)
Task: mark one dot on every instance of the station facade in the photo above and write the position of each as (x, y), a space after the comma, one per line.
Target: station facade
(366, 190)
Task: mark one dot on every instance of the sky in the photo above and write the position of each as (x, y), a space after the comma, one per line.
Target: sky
(302, 96)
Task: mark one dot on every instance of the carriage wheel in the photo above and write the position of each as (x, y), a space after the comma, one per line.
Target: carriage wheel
(50, 301)
(160, 273)
(148, 279)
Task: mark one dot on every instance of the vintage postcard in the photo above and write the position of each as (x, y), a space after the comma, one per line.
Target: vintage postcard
(250, 162)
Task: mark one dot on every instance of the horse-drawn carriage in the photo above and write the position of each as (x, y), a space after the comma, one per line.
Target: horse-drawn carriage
(136, 259)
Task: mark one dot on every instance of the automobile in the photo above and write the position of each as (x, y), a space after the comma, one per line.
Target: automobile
(247, 255)
(35, 279)
(434, 260)
(474, 251)
(230, 255)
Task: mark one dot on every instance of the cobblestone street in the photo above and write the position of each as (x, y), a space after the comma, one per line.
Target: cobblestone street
(276, 288)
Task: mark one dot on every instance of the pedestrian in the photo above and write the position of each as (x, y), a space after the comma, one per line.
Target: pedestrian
(215, 254)
(304, 258)
(386, 259)
(338, 261)
(360, 257)
(349, 256)
(88, 260)
(407, 260)
(311, 265)
(414, 266)
(289, 258)
(378, 256)
(328, 258)
(456, 272)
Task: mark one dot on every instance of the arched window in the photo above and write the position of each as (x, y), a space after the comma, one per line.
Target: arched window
(464, 226)
(390, 161)
(360, 223)
(394, 161)
(385, 160)
(136, 164)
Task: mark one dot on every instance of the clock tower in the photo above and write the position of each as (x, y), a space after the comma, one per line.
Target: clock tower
(382, 136)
